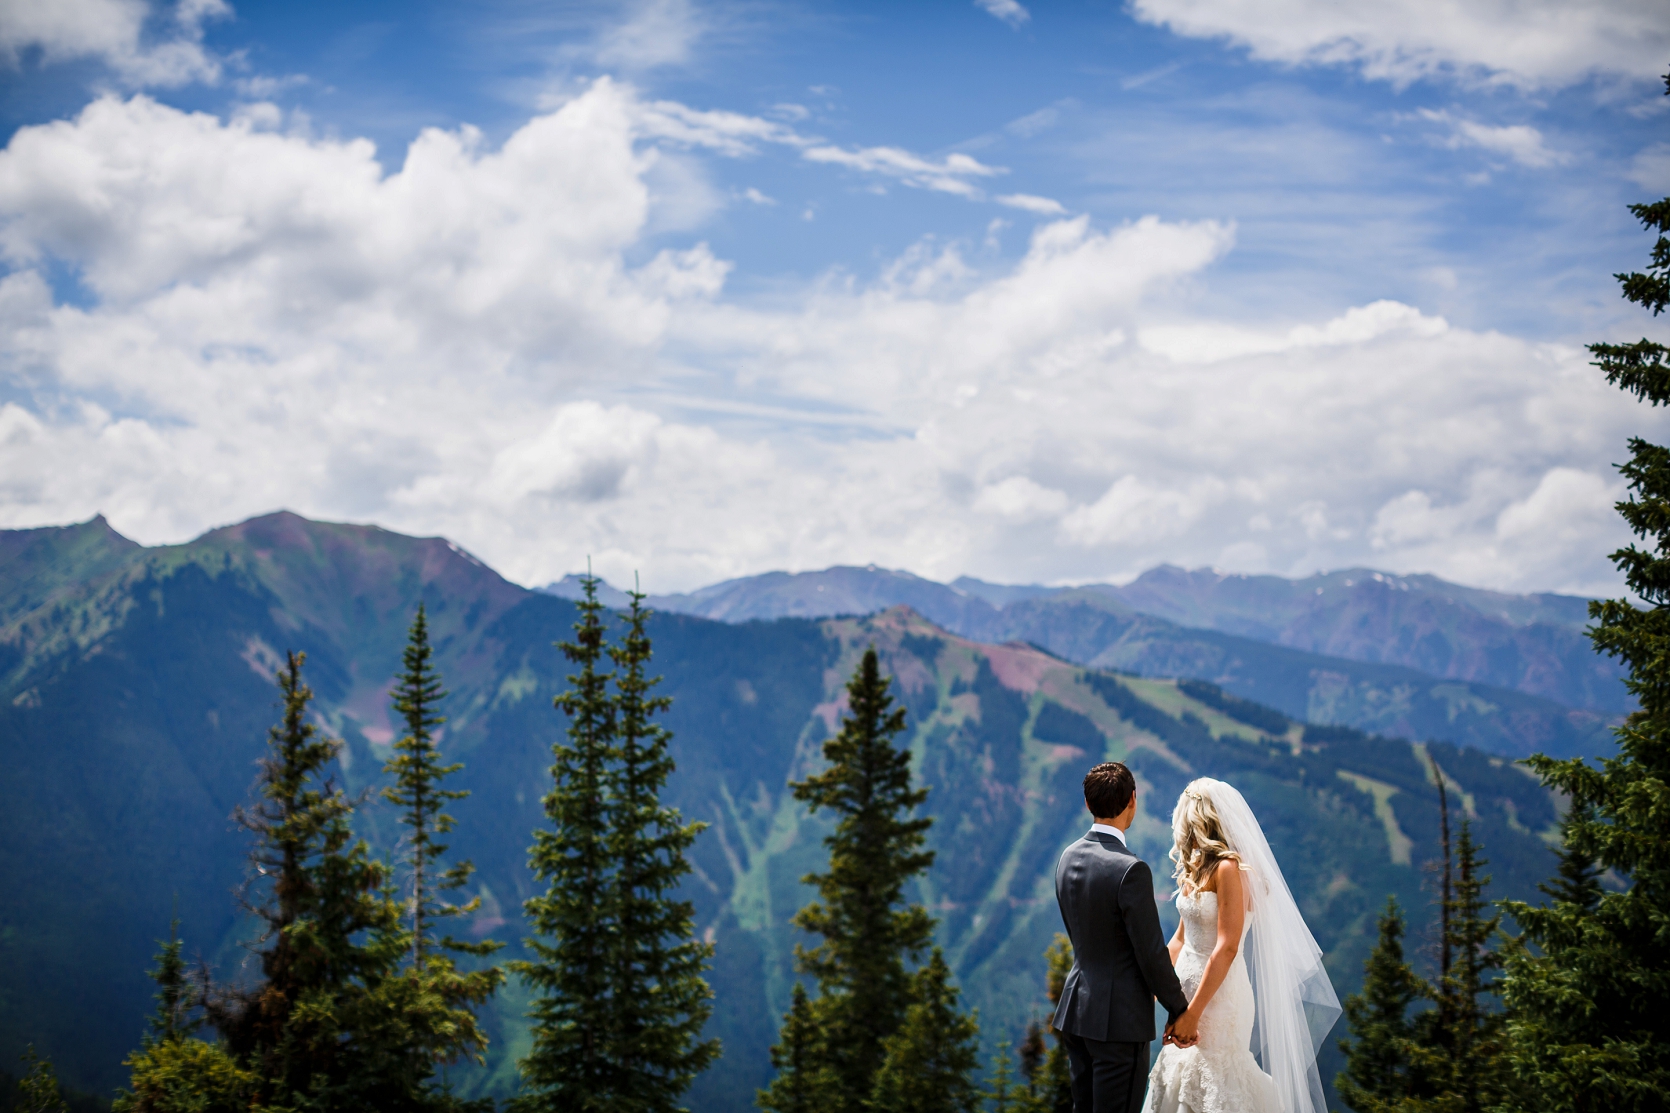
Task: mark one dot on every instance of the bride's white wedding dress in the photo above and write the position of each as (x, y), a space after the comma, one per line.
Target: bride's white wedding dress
(1219, 1074)
(1276, 997)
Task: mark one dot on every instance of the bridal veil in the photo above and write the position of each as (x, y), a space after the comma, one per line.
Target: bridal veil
(1295, 1002)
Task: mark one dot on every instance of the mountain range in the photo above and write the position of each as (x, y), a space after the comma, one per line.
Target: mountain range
(1403, 655)
(136, 691)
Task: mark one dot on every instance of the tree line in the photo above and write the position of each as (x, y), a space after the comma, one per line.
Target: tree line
(364, 996)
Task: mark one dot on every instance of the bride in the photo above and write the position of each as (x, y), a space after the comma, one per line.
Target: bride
(1250, 967)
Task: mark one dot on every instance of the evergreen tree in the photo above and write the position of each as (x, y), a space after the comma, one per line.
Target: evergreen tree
(803, 1076)
(38, 1092)
(1053, 1083)
(418, 772)
(1483, 1076)
(176, 996)
(1458, 1060)
(333, 1024)
(868, 932)
(173, 1072)
(1586, 992)
(1377, 1072)
(929, 1059)
(1006, 1094)
(1052, 1089)
(440, 1003)
(1578, 878)
(1450, 1057)
(570, 1067)
(661, 999)
(623, 1000)
(323, 893)
(1033, 1051)
(186, 1076)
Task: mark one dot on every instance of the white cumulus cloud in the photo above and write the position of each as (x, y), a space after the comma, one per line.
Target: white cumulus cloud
(1133, 509)
(115, 32)
(1209, 342)
(1020, 498)
(1525, 43)
(490, 342)
(587, 453)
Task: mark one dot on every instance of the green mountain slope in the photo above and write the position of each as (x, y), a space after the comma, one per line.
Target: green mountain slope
(1087, 626)
(36, 563)
(133, 706)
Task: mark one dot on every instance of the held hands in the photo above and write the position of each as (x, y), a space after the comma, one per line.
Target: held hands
(1184, 1032)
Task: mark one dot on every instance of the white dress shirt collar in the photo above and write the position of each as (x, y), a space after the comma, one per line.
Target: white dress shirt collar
(1107, 829)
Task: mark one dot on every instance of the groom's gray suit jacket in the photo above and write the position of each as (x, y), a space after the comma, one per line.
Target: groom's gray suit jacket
(1120, 963)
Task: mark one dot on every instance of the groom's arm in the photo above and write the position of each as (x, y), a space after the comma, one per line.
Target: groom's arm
(1142, 924)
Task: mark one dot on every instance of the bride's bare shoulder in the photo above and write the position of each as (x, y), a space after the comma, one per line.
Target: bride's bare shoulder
(1227, 869)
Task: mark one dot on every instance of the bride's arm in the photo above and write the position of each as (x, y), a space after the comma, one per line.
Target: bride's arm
(1232, 914)
(1175, 947)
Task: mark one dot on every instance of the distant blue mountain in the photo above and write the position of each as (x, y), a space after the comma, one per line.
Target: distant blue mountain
(1407, 655)
(1001, 595)
(569, 587)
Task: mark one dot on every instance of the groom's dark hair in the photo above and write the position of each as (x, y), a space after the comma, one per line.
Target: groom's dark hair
(1108, 789)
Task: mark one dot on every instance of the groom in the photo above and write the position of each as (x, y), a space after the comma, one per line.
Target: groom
(1120, 964)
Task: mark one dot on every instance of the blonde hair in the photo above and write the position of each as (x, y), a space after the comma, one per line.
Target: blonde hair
(1198, 842)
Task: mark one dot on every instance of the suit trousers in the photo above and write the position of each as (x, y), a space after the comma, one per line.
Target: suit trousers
(1108, 1077)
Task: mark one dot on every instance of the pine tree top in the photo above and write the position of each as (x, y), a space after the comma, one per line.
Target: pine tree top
(418, 791)
(1641, 368)
(799, 1056)
(1005, 1094)
(868, 929)
(176, 995)
(1578, 880)
(621, 999)
(876, 846)
(1378, 1072)
(868, 782)
(300, 819)
(37, 1091)
(931, 1058)
(333, 938)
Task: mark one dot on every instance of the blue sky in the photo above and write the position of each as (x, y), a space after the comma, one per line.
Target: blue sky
(1042, 292)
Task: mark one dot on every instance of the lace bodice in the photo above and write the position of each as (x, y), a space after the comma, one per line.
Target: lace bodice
(1218, 1074)
(1200, 922)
